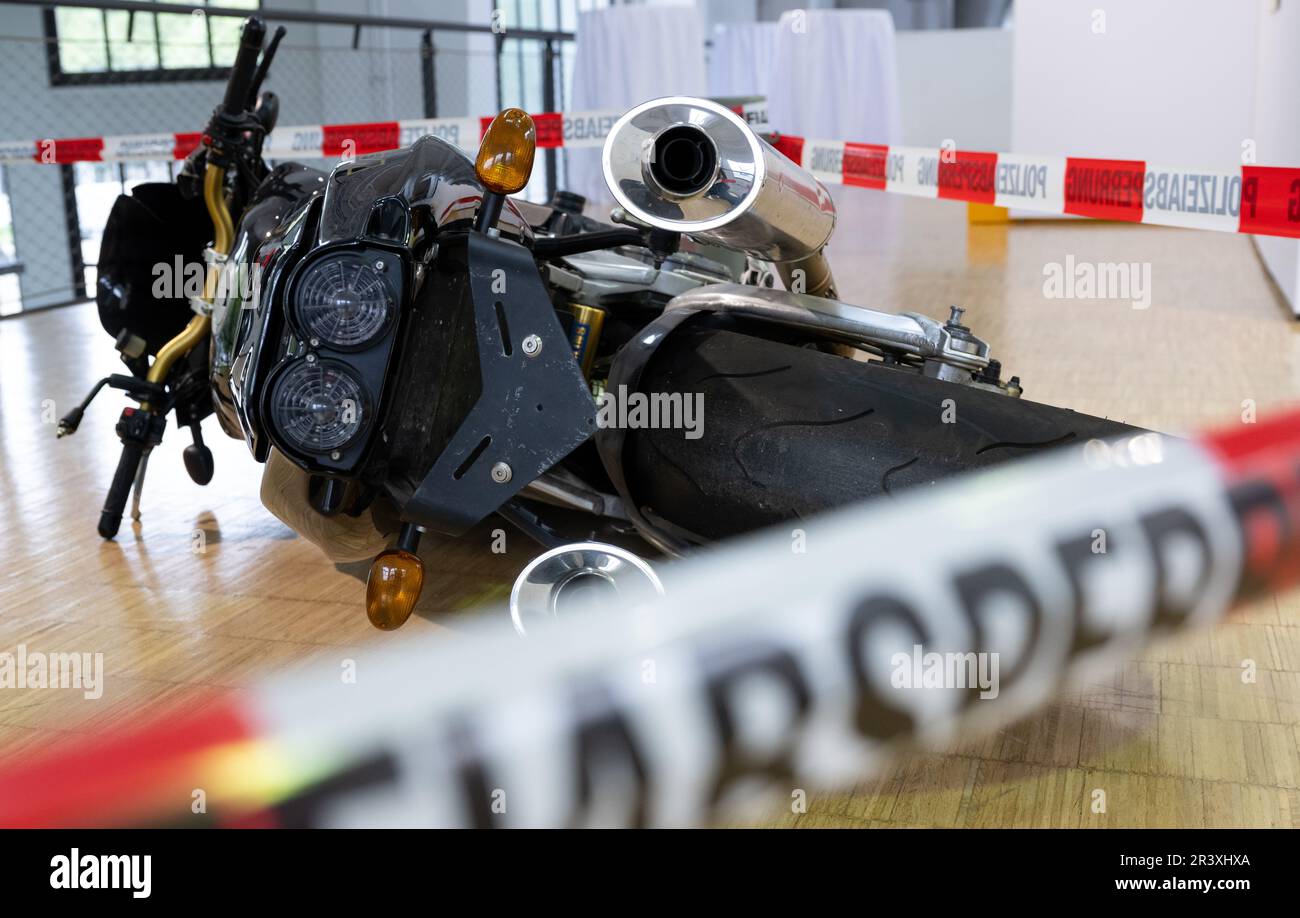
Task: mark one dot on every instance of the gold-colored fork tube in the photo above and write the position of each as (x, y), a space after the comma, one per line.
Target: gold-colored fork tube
(215, 199)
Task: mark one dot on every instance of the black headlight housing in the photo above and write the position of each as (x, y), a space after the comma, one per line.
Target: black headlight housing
(343, 305)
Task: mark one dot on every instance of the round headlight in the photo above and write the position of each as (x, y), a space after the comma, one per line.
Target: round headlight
(343, 300)
(319, 406)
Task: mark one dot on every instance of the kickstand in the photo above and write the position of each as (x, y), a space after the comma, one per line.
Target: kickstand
(139, 484)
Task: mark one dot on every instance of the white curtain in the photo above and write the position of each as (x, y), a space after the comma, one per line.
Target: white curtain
(741, 58)
(624, 56)
(835, 76)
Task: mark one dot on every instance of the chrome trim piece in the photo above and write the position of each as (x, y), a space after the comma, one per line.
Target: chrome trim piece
(909, 333)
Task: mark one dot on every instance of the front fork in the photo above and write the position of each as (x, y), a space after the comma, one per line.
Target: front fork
(141, 429)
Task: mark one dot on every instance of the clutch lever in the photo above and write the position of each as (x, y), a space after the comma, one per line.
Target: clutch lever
(267, 56)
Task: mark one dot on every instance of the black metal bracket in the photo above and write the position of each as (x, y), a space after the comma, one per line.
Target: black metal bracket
(534, 407)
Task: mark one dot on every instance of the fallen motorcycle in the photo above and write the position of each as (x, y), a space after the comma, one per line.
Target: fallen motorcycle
(409, 349)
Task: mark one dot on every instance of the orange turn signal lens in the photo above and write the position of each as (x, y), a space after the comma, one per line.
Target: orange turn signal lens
(505, 157)
(393, 587)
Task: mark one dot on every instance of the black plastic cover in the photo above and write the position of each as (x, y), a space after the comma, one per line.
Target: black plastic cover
(152, 225)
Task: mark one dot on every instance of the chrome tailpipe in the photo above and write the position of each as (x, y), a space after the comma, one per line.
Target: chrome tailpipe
(693, 166)
(576, 576)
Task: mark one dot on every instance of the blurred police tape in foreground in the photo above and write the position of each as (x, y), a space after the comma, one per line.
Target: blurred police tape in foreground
(770, 665)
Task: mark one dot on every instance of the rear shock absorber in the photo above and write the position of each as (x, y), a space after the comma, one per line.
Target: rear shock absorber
(584, 336)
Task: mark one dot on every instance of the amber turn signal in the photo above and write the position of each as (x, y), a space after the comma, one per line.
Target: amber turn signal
(505, 157)
(396, 578)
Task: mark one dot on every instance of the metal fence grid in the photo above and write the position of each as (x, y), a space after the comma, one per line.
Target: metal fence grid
(162, 73)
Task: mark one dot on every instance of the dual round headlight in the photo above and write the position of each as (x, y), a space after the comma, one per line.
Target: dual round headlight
(320, 405)
(344, 301)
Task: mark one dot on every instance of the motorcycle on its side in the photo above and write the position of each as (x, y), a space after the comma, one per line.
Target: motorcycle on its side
(408, 349)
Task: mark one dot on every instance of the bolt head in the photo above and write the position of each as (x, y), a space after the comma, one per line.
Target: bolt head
(532, 346)
(501, 473)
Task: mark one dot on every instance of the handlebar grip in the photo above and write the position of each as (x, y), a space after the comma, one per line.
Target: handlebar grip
(110, 518)
(245, 67)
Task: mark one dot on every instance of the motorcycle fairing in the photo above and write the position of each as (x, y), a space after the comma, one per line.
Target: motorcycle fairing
(406, 197)
(399, 201)
(530, 411)
(470, 398)
(271, 233)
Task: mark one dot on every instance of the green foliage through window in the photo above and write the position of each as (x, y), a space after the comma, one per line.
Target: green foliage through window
(101, 43)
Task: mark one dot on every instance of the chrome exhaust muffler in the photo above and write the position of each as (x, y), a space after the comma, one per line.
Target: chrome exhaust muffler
(581, 574)
(693, 166)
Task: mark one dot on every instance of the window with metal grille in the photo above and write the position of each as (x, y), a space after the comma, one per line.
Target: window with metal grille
(93, 46)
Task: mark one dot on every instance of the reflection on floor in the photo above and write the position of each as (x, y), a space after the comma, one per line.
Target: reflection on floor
(1174, 739)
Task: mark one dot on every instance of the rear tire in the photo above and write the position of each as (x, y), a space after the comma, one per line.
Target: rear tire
(792, 431)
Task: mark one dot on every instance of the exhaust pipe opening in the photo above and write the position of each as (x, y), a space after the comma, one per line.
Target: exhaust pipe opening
(583, 575)
(583, 587)
(694, 167)
(685, 161)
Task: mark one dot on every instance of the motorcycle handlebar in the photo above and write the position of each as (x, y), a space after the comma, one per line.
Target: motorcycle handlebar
(245, 67)
(110, 518)
(267, 56)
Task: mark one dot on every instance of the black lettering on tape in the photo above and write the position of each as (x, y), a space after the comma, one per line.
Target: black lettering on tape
(874, 717)
(976, 587)
(471, 774)
(725, 669)
(1074, 554)
(607, 751)
(310, 809)
(1159, 527)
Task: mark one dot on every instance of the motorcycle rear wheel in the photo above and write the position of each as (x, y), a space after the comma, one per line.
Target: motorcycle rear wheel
(790, 431)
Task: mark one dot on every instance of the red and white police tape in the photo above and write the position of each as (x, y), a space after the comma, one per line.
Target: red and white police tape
(1249, 199)
(554, 130)
(774, 662)
(1263, 200)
